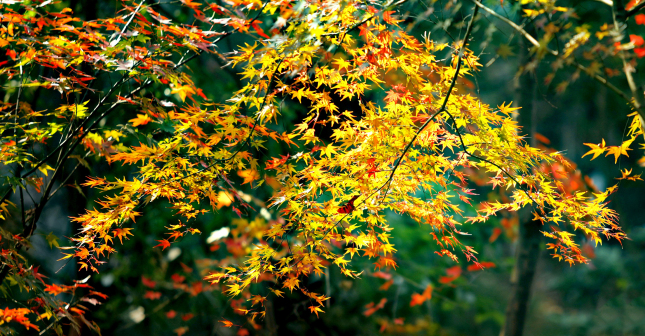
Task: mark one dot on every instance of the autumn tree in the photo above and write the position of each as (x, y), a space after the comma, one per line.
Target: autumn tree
(600, 48)
(388, 125)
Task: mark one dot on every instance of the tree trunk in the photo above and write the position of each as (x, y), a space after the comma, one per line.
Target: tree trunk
(528, 251)
(528, 246)
(269, 319)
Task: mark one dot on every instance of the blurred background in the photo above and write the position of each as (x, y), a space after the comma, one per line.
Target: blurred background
(603, 297)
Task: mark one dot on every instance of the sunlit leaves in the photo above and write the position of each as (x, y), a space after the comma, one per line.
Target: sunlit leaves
(507, 109)
(141, 119)
(412, 144)
(163, 244)
(315, 309)
(122, 233)
(617, 151)
(596, 149)
(183, 91)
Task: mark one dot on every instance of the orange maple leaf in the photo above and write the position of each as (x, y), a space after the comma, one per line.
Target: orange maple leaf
(640, 19)
(392, 96)
(176, 234)
(480, 266)
(122, 233)
(151, 295)
(227, 323)
(452, 274)
(141, 119)
(181, 330)
(147, 282)
(495, 235)
(163, 243)
(291, 283)
(371, 308)
(249, 175)
(315, 309)
(83, 253)
(418, 299)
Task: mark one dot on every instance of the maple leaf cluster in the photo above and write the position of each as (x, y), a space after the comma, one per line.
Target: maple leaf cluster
(413, 145)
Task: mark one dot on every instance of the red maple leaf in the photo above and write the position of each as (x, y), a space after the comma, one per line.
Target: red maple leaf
(349, 207)
(37, 275)
(163, 243)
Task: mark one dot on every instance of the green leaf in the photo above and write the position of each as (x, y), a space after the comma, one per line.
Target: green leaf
(52, 240)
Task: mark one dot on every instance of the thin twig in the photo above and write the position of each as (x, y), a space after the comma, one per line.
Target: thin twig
(442, 109)
(354, 27)
(634, 10)
(119, 34)
(535, 42)
(445, 102)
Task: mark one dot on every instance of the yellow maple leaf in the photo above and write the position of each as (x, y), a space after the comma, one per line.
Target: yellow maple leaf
(278, 293)
(233, 289)
(329, 150)
(291, 283)
(507, 109)
(341, 63)
(595, 149)
(224, 199)
(619, 150)
(249, 175)
(315, 309)
(183, 91)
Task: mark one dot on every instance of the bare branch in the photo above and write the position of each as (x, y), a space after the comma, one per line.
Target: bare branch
(535, 42)
(514, 25)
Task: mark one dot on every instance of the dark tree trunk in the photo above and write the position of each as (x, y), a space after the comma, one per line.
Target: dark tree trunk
(528, 246)
(528, 251)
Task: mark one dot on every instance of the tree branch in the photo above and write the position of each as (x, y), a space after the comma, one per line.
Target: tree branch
(113, 43)
(354, 27)
(634, 10)
(606, 2)
(535, 42)
(620, 24)
(514, 25)
(442, 109)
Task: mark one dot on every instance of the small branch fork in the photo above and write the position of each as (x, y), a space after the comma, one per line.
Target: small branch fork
(387, 183)
(442, 109)
(407, 147)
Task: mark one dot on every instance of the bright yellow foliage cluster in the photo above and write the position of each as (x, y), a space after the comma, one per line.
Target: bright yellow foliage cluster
(413, 152)
(415, 144)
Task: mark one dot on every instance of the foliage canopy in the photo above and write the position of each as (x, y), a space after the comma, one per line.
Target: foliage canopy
(389, 124)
